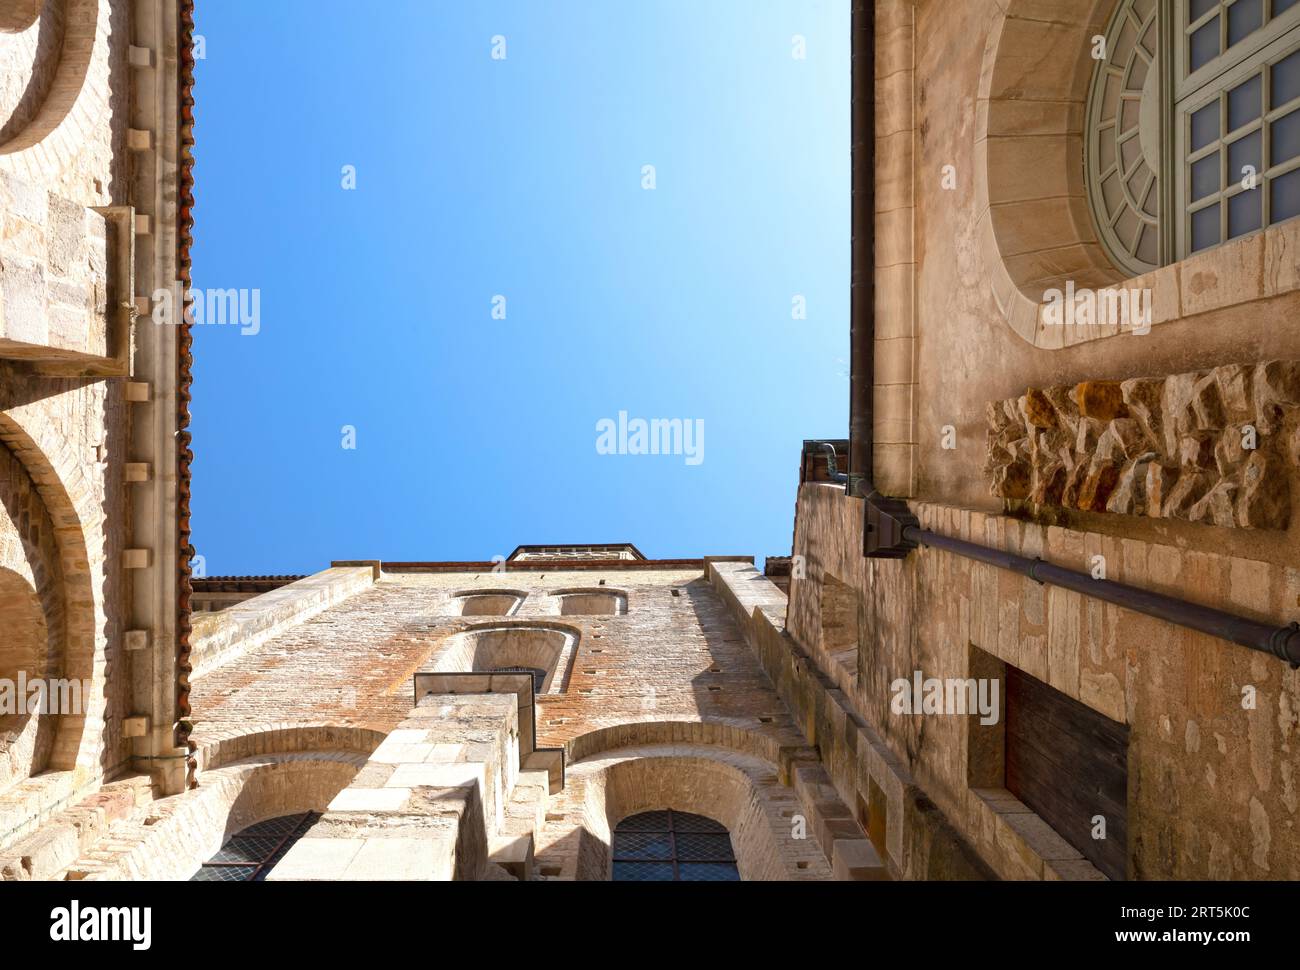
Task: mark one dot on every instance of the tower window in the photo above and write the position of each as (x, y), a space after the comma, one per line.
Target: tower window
(668, 846)
(592, 602)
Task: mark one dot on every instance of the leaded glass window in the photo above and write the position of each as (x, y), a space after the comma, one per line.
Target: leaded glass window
(668, 846)
(250, 855)
(1194, 126)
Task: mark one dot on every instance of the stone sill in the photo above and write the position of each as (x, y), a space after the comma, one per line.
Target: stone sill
(1012, 824)
(1256, 267)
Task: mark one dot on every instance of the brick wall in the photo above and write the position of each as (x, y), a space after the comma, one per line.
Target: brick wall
(667, 701)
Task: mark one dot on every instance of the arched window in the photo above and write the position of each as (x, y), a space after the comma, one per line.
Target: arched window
(1193, 134)
(250, 855)
(513, 647)
(670, 846)
(592, 602)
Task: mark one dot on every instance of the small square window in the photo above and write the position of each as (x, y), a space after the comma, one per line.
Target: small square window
(1284, 199)
(1205, 177)
(1284, 139)
(1243, 154)
(1244, 18)
(1203, 45)
(1286, 80)
(1245, 213)
(1205, 228)
(1205, 125)
(1245, 103)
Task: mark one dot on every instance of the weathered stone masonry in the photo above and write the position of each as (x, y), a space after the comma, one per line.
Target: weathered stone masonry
(1217, 446)
(1212, 781)
(662, 704)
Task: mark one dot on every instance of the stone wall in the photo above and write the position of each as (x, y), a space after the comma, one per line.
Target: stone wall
(1217, 446)
(54, 265)
(426, 802)
(64, 156)
(661, 705)
(1214, 735)
(218, 638)
(32, 618)
(998, 212)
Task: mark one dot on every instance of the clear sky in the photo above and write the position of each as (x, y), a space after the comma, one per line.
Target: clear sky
(523, 177)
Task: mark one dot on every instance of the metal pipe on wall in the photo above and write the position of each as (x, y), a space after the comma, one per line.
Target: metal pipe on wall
(862, 319)
(1279, 641)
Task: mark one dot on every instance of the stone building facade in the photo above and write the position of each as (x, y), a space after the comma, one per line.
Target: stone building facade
(1076, 325)
(478, 721)
(1156, 450)
(94, 199)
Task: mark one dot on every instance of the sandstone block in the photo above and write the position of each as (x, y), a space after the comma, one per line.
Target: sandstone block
(1276, 388)
(1186, 492)
(1265, 499)
(1217, 506)
(1236, 383)
(1207, 404)
(1038, 410)
(1102, 400)
(1097, 487)
(1196, 450)
(1144, 397)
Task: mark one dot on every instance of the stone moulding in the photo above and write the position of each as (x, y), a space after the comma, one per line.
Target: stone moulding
(1213, 446)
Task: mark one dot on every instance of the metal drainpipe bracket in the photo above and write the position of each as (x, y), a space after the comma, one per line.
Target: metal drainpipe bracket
(1286, 644)
(885, 520)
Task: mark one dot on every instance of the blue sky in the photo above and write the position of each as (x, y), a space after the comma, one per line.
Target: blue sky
(523, 177)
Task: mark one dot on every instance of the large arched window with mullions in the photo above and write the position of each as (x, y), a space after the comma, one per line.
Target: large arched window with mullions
(670, 846)
(1193, 126)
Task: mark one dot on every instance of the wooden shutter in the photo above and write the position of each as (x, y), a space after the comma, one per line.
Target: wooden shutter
(1068, 763)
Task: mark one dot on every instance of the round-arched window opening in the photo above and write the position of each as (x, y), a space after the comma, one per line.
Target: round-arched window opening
(515, 646)
(669, 846)
(592, 602)
(1193, 126)
(250, 855)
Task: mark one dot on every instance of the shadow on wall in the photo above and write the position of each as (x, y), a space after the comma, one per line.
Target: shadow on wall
(731, 684)
(25, 734)
(496, 602)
